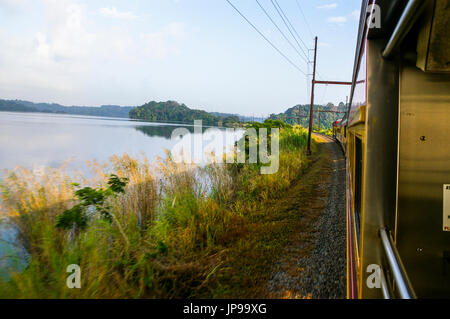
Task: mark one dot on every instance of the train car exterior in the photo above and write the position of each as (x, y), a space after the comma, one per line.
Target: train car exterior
(396, 137)
(340, 133)
(335, 129)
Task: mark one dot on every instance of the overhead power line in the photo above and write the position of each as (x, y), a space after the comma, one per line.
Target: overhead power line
(264, 37)
(289, 26)
(282, 33)
(324, 94)
(309, 29)
(304, 17)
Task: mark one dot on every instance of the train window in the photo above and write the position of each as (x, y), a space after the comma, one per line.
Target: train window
(358, 186)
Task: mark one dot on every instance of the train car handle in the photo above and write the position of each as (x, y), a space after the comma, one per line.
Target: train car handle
(399, 275)
(385, 287)
(410, 14)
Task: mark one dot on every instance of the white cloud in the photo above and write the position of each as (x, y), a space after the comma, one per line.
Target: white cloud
(338, 20)
(356, 14)
(13, 5)
(52, 57)
(156, 44)
(328, 6)
(66, 36)
(71, 53)
(114, 13)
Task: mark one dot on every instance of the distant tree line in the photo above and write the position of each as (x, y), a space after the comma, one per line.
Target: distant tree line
(174, 112)
(26, 106)
(291, 115)
(12, 106)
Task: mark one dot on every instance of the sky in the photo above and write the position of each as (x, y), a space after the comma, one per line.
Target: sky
(197, 52)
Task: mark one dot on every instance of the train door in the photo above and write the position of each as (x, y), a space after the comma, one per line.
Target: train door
(358, 186)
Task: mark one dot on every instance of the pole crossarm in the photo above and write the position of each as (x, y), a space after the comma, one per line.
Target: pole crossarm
(333, 82)
(330, 112)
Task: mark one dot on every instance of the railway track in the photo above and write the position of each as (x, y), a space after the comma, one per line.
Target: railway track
(315, 265)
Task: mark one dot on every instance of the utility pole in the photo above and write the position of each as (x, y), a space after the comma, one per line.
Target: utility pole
(324, 111)
(311, 109)
(298, 118)
(319, 122)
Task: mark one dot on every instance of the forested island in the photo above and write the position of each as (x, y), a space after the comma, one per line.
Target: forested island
(172, 111)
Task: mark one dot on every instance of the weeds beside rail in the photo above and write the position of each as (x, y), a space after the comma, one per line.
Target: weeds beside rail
(168, 236)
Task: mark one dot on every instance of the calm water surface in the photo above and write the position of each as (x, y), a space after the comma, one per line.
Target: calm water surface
(38, 140)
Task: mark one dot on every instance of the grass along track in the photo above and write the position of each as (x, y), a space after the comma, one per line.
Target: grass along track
(288, 239)
(183, 242)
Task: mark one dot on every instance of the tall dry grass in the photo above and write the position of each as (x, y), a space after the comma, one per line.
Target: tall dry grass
(167, 236)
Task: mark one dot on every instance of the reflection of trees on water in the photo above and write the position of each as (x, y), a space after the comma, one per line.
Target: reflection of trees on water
(164, 131)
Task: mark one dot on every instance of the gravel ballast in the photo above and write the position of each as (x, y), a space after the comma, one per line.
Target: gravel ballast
(321, 271)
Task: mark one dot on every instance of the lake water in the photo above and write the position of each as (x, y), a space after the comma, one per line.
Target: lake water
(38, 140)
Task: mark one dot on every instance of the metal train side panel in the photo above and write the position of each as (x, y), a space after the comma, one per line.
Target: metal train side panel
(399, 135)
(423, 169)
(381, 158)
(356, 128)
